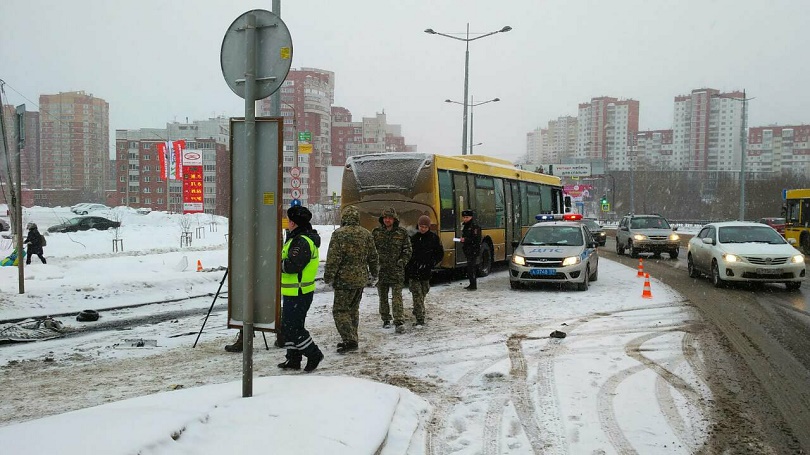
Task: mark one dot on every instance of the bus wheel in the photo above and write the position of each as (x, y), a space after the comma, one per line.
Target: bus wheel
(485, 266)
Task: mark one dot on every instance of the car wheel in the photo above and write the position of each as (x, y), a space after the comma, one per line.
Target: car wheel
(674, 254)
(595, 275)
(633, 251)
(619, 247)
(793, 285)
(717, 280)
(485, 266)
(690, 266)
(83, 213)
(584, 285)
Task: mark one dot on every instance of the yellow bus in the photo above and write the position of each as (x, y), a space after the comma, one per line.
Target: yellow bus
(505, 199)
(797, 218)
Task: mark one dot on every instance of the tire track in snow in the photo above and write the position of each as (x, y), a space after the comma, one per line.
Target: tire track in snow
(605, 408)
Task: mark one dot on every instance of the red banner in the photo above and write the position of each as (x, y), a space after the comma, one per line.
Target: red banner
(171, 152)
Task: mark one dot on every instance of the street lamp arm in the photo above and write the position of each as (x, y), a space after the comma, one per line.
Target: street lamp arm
(430, 31)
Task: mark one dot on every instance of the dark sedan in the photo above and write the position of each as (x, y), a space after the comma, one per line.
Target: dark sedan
(599, 234)
(85, 223)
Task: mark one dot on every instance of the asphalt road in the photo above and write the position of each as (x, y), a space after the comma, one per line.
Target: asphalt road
(757, 346)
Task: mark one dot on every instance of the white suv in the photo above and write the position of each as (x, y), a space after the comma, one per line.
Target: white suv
(647, 234)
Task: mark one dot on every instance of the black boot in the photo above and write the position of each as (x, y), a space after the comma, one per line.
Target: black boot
(290, 364)
(313, 360)
(347, 347)
(237, 345)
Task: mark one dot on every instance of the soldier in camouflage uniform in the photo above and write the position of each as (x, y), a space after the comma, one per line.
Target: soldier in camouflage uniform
(351, 258)
(394, 249)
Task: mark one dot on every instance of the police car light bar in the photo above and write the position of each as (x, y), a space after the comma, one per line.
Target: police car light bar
(558, 217)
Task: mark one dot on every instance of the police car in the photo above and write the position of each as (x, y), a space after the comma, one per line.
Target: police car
(557, 249)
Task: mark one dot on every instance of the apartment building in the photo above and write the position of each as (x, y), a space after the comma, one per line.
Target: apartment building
(773, 150)
(707, 130)
(605, 126)
(74, 143)
(139, 182)
(307, 96)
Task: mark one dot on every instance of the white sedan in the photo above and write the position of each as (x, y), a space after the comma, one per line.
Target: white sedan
(742, 251)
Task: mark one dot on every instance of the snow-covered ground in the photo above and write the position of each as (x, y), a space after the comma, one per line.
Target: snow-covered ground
(483, 376)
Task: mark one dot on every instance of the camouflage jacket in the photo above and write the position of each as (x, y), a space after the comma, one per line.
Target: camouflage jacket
(352, 255)
(394, 249)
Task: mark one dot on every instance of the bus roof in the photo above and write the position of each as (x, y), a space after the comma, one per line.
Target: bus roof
(492, 166)
(797, 193)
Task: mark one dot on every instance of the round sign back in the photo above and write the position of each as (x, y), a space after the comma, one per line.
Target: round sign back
(273, 53)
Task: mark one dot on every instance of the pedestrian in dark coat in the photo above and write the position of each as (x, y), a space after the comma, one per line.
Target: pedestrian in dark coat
(35, 242)
(351, 260)
(299, 265)
(471, 245)
(427, 253)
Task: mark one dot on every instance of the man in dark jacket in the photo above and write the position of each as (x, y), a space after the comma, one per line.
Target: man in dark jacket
(34, 241)
(351, 259)
(299, 265)
(394, 250)
(427, 252)
(471, 245)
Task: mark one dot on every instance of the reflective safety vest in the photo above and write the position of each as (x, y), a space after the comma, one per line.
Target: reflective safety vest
(290, 282)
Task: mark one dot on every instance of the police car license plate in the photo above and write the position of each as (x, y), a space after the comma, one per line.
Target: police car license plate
(537, 272)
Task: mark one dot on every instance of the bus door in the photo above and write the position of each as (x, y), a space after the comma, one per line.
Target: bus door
(513, 230)
(461, 197)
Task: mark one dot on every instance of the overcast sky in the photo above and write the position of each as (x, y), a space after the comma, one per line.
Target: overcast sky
(158, 61)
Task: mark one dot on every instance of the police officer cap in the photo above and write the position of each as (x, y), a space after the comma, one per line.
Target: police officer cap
(467, 213)
(299, 215)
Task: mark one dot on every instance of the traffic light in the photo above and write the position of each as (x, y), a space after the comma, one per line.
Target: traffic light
(604, 200)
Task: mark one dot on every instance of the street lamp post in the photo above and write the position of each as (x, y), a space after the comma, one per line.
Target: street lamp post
(471, 106)
(466, 72)
(743, 142)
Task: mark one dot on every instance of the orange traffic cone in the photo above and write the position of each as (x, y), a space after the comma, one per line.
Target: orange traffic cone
(647, 292)
(640, 273)
(199, 266)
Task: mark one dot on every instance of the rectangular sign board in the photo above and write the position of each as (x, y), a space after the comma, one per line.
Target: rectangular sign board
(572, 170)
(264, 254)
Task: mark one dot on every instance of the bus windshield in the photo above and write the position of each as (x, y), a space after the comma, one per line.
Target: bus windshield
(394, 172)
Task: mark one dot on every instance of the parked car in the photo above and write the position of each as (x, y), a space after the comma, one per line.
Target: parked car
(84, 209)
(776, 223)
(4, 225)
(596, 230)
(557, 249)
(745, 251)
(647, 234)
(85, 223)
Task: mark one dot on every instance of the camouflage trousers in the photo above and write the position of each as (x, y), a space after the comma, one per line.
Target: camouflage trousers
(346, 313)
(419, 289)
(396, 301)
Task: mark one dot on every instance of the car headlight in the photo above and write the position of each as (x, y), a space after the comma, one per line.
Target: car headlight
(519, 260)
(639, 237)
(674, 237)
(798, 259)
(728, 257)
(573, 260)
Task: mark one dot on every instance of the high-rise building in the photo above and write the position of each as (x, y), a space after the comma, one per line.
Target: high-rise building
(534, 145)
(307, 95)
(74, 143)
(605, 126)
(707, 129)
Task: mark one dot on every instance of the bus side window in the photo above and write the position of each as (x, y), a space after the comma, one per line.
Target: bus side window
(447, 215)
